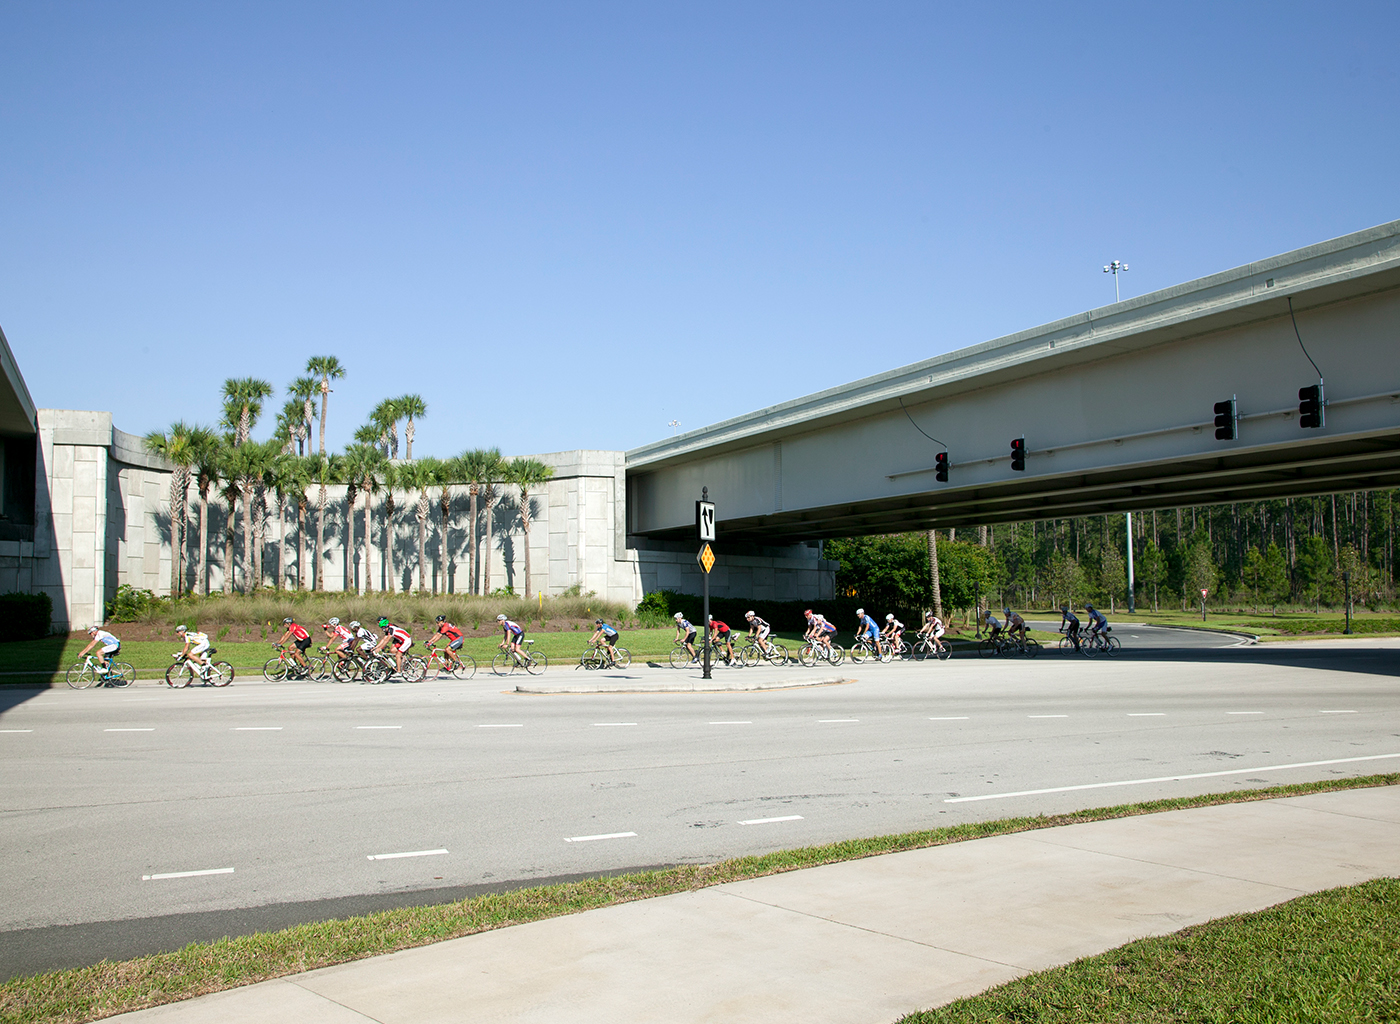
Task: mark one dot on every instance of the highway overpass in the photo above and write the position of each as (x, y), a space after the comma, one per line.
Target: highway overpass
(1116, 407)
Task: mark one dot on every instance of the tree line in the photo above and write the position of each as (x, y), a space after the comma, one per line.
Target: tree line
(1299, 552)
(257, 481)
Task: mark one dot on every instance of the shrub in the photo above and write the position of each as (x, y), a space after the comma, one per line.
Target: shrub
(130, 604)
(25, 616)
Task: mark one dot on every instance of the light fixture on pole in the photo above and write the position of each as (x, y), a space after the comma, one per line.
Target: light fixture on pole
(1115, 268)
(674, 425)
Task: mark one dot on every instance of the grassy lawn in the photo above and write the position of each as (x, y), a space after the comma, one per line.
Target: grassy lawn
(1329, 956)
(1227, 962)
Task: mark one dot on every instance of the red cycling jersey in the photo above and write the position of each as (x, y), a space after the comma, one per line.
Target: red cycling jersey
(298, 632)
(450, 631)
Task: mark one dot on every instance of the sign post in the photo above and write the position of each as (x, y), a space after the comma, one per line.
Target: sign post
(1203, 604)
(705, 531)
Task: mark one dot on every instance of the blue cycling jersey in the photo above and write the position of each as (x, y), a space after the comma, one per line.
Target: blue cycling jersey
(608, 630)
(867, 625)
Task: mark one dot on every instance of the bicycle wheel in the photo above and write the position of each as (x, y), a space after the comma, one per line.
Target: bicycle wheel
(220, 673)
(414, 669)
(1114, 645)
(987, 649)
(319, 669)
(777, 654)
(836, 655)
(465, 667)
(680, 657)
(344, 670)
(536, 663)
(501, 664)
(859, 652)
(1032, 648)
(807, 655)
(121, 674)
(179, 675)
(886, 655)
(591, 660)
(81, 676)
(944, 653)
(275, 670)
(1089, 648)
(905, 651)
(623, 658)
(375, 672)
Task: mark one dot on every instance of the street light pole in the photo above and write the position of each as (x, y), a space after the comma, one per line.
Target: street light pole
(1115, 268)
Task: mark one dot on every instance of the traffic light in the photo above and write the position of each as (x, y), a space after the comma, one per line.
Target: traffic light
(940, 472)
(1225, 420)
(1018, 454)
(1310, 406)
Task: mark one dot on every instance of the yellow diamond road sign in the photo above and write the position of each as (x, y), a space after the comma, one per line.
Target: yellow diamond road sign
(707, 558)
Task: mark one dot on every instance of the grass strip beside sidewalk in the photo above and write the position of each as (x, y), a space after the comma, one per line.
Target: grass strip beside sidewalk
(90, 993)
(1327, 956)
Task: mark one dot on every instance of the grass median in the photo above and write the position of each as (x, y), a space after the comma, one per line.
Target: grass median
(90, 993)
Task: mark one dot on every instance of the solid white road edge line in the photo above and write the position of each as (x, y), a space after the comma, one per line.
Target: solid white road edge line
(769, 821)
(396, 856)
(951, 718)
(187, 874)
(16, 730)
(606, 835)
(1336, 712)
(1170, 778)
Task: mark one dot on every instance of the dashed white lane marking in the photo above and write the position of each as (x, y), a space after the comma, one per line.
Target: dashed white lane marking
(1171, 778)
(1244, 712)
(731, 723)
(835, 721)
(1336, 712)
(517, 725)
(1147, 714)
(187, 874)
(606, 725)
(152, 729)
(769, 821)
(412, 853)
(605, 835)
(950, 718)
(1047, 716)
(378, 727)
(263, 728)
(16, 730)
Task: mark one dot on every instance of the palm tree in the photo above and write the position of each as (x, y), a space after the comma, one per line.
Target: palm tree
(243, 398)
(289, 426)
(245, 466)
(302, 389)
(280, 478)
(386, 419)
(475, 468)
(392, 480)
(410, 406)
(328, 368)
(326, 469)
(362, 461)
(492, 473)
(420, 476)
(207, 462)
(228, 480)
(176, 446)
(449, 472)
(528, 475)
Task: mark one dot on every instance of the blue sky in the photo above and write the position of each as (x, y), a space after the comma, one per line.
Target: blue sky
(565, 225)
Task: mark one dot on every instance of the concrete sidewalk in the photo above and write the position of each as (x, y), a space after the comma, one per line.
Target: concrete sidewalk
(861, 942)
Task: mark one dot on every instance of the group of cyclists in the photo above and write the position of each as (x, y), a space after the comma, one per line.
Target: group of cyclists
(1015, 626)
(819, 631)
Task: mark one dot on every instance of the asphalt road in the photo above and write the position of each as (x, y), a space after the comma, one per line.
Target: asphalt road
(137, 820)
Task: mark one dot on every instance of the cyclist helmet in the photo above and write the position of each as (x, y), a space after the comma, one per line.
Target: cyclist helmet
(860, 611)
(1006, 611)
(355, 624)
(1064, 607)
(92, 629)
(442, 618)
(748, 615)
(889, 616)
(1088, 607)
(333, 621)
(383, 622)
(808, 613)
(287, 621)
(597, 622)
(500, 618)
(678, 616)
(929, 614)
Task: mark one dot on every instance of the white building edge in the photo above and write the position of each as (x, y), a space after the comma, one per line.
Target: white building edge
(84, 508)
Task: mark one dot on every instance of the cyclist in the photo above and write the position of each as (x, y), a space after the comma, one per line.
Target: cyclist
(894, 629)
(452, 635)
(758, 631)
(720, 634)
(365, 639)
(932, 629)
(685, 630)
(1098, 624)
(993, 626)
(196, 650)
(338, 638)
(819, 631)
(605, 635)
(303, 642)
(1015, 624)
(513, 634)
(110, 646)
(866, 628)
(396, 636)
(1069, 625)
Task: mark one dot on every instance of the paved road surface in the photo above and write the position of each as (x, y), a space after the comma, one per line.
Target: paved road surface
(170, 813)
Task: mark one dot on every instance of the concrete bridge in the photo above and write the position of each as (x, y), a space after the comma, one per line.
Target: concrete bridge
(1116, 407)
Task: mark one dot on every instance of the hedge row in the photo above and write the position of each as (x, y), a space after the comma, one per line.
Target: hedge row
(24, 616)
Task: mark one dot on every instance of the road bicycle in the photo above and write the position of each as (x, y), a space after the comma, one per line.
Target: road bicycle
(1099, 643)
(810, 653)
(682, 658)
(925, 648)
(752, 654)
(382, 667)
(600, 656)
(863, 648)
(86, 672)
(1074, 644)
(898, 647)
(285, 666)
(528, 660)
(463, 666)
(350, 667)
(1003, 646)
(213, 673)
